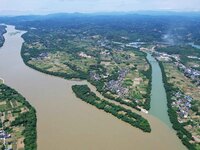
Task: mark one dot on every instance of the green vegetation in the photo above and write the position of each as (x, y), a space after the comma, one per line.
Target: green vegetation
(182, 133)
(128, 82)
(148, 74)
(186, 54)
(83, 92)
(99, 49)
(93, 58)
(1, 81)
(148, 28)
(18, 118)
(2, 31)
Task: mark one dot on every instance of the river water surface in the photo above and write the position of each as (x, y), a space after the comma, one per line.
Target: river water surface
(158, 94)
(65, 122)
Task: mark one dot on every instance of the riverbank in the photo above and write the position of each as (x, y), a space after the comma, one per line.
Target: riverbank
(122, 75)
(18, 120)
(181, 132)
(64, 122)
(158, 93)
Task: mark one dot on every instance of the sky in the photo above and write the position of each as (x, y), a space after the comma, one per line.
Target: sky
(15, 7)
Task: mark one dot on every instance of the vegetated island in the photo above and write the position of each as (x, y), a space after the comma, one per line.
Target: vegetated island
(120, 75)
(111, 62)
(116, 67)
(84, 93)
(17, 121)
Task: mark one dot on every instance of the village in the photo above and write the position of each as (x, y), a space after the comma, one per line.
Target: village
(189, 72)
(116, 85)
(193, 74)
(4, 137)
(130, 85)
(11, 135)
(116, 67)
(183, 105)
(185, 100)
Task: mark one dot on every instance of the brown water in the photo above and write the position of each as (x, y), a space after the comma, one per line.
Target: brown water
(67, 123)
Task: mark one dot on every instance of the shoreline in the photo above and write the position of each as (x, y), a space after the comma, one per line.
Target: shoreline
(172, 114)
(27, 119)
(158, 93)
(81, 118)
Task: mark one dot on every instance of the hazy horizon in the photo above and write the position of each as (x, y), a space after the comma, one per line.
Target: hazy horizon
(16, 7)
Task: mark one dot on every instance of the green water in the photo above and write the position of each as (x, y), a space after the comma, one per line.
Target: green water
(158, 94)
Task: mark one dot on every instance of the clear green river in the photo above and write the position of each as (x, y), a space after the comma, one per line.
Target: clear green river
(158, 94)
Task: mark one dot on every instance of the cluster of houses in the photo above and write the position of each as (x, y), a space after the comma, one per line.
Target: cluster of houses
(94, 76)
(106, 57)
(83, 55)
(135, 44)
(41, 56)
(183, 104)
(116, 85)
(165, 56)
(107, 44)
(104, 43)
(4, 135)
(189, 72)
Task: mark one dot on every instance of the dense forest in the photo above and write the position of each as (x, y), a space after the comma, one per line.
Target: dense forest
(149, 28)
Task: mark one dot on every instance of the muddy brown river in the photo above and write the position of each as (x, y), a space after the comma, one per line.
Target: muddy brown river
(67, 123)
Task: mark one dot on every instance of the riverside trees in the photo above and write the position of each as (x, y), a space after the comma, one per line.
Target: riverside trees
(27, 119)
(84, 93)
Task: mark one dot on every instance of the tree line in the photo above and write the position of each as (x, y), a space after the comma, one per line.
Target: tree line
(84, 93)
(182, 133)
